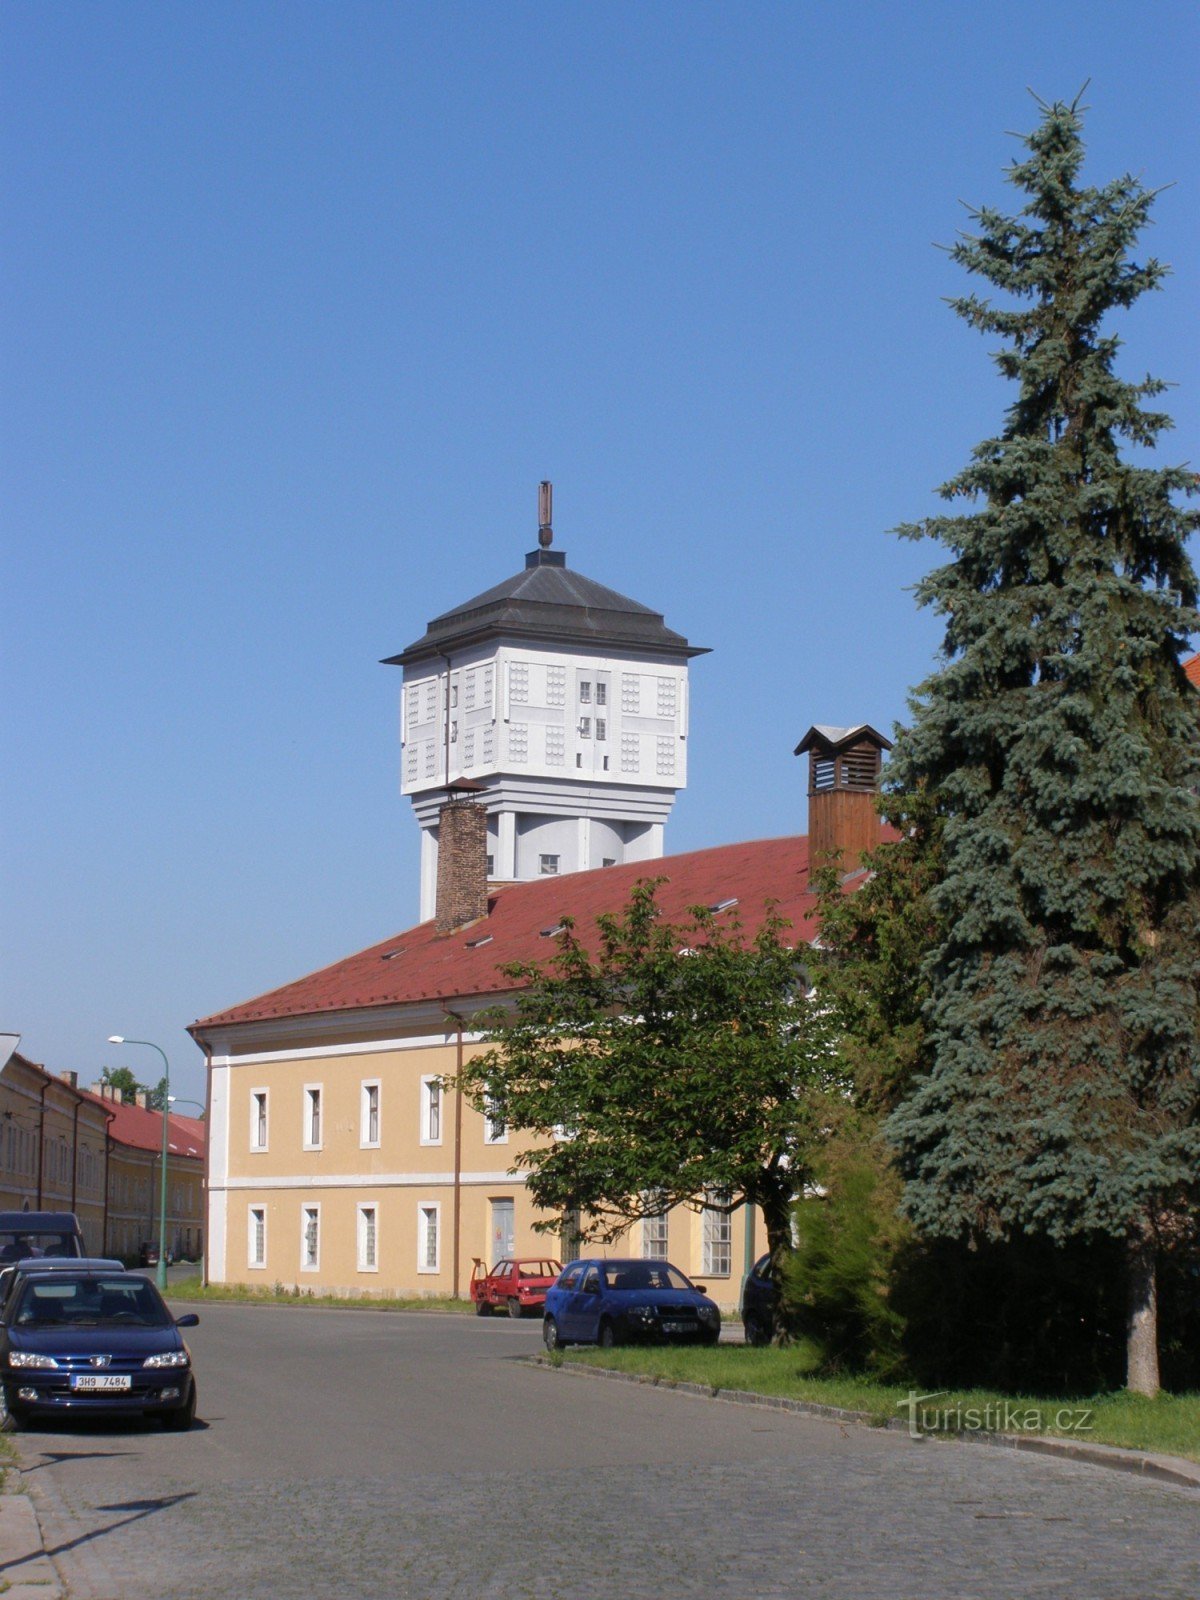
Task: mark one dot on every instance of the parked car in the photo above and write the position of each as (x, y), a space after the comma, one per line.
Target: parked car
(148, 1254)
(17, 1271)
(92, 1338)
(26, 1234)
(512, 1286)
(760, 1296)
(611, 1302)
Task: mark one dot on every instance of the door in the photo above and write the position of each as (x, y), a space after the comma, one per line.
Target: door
(503, 1240)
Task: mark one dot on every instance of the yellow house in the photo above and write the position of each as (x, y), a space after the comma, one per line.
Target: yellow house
(131, 1216)
(53, 1146)
(337, 1162)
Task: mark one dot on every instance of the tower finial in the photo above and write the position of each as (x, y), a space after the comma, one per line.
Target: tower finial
(545, 513)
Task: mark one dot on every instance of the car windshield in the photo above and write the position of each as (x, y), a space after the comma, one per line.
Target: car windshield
(91, 1302)
(27, 1246)
(644, 1275)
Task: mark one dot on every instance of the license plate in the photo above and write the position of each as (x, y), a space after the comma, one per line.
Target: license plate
(92, 1382)
(678, 1327)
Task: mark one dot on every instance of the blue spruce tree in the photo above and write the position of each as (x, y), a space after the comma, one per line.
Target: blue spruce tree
(1061, 1092)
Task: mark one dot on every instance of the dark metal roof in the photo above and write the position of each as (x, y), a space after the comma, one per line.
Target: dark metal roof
(545, 601)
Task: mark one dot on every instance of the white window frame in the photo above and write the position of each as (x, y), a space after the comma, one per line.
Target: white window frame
(430, 1083)
(548, 871)
(494, 1131)
(360, 1214)
(427, 1209)
(310, 1209)
(306, 1110)
(655, 1235)
(365, 1141)
(716, 1240)
(253, 1215)
(255, 1119)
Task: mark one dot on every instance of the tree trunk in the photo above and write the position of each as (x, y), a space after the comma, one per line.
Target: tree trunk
(1141, 1326)
(777, 1215)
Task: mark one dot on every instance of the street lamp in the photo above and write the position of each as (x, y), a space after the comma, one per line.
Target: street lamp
(160, 1271)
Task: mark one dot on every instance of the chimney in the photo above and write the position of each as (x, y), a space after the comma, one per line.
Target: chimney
(71, 1079)
(843, 779)
(462, 860)
(140, 1099)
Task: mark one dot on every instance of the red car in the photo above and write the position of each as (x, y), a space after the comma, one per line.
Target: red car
(512, 1286)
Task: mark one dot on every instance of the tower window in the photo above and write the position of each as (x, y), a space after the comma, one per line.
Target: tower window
(585, 693)
(601, 694)
(601, 727)
(491, 866)
(548, 866)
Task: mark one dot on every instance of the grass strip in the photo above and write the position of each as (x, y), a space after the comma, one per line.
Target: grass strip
(1166, 1425)
(191, 1289)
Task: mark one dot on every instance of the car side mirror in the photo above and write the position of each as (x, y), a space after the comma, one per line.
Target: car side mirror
(700, 1288)
(188, 1320)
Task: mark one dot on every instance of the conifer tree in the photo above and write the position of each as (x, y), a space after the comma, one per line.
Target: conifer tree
(1061, 1095)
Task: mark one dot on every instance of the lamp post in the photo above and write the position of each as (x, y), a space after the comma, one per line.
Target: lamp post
(160, 1271)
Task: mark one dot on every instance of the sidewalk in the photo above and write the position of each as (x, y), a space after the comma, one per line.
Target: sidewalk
(26, 1571)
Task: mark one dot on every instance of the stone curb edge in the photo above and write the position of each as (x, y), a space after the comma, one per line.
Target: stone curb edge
(1169, 1469)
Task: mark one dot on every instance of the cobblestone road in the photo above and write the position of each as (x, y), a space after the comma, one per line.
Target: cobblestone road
(416, 1458)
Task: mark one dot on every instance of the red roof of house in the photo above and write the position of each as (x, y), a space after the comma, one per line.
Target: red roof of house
(422, 964)
(1191, 669)
(141, 1128)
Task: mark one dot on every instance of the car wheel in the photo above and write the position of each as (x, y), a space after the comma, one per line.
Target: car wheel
(514, 1308)
(756, 1333)
(181, 1419)
(12, 1418)
(483, 1308)
(607, 1337)
(710, 1338)
(551, 1337)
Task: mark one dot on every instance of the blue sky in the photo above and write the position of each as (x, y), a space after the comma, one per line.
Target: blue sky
(300, 303)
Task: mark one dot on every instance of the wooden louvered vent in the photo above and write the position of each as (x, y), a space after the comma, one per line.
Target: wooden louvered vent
(844, 766)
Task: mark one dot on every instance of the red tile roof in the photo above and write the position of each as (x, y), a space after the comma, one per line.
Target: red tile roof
(142, 1129)
(1191, 669)
(422, 964)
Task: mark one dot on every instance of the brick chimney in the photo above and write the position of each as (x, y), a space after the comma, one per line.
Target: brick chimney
(141, 1098)
(462, 861)
(843, 779)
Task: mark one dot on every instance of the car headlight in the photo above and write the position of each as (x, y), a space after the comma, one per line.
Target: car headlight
(641, 1313)
(28, 1358)
(168, 1358)
(709, 1314)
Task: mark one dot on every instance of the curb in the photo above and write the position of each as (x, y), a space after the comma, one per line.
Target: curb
(1162, 1469)
(26, 1571)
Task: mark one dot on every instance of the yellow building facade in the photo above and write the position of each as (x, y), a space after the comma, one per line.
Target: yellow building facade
(53, 1147)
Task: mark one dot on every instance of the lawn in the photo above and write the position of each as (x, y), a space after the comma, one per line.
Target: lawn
(191, 1289)
(1169, 1425)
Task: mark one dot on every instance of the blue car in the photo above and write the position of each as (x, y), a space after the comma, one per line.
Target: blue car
(87, 1338)
(614, 1302)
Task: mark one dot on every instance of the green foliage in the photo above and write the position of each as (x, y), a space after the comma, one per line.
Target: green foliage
(660, 1063)
(838, 1283)
(123, 1081)
(1060, 739)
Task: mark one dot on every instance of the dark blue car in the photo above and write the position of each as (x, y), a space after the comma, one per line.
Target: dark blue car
(614, 1302)
(88, 1338)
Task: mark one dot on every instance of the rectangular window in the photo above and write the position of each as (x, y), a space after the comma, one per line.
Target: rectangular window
(258, 1119)
(601, 728)
(368, 1232)
(312, 1116)
(548, 866)
(654, 1236)
(431, 1111)
(369, 1130)
(585, 727)
(601, 694)
(717, 1259)
(585, 694)
(256, 1237)
(428, 1242)
(491, 866)
(495, 1129)
(310, 1238)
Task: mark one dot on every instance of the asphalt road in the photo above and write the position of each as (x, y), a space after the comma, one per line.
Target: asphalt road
(416, 1457)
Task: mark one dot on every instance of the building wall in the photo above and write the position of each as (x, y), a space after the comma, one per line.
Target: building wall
(133, 1202)
(72, 1148)
(266, 1184)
